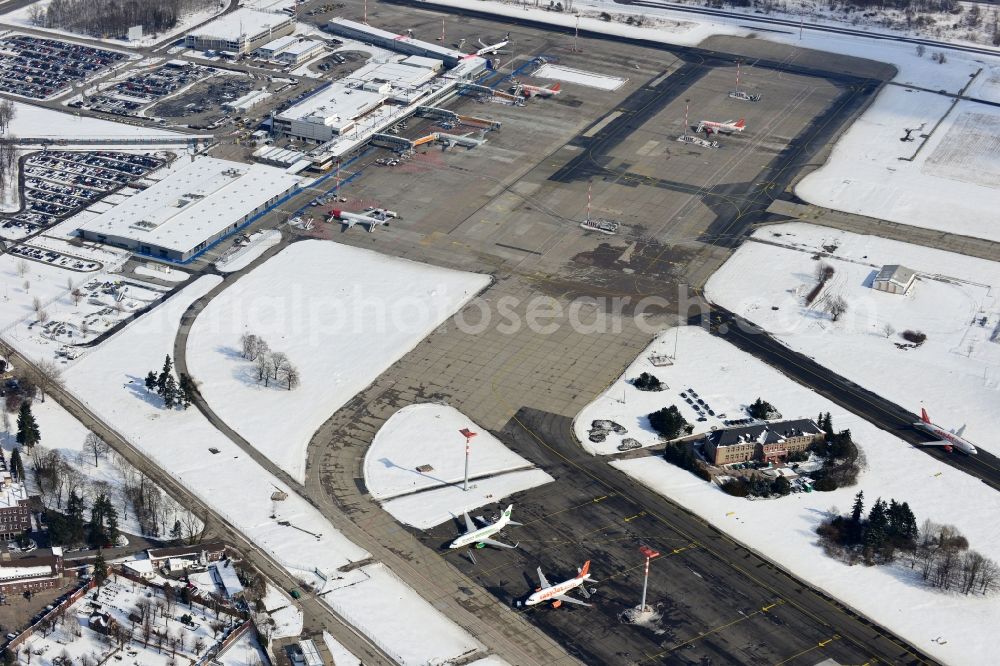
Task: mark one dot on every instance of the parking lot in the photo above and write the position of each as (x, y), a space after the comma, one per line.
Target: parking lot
(43, 68)
(59, 183)
(142, 89)
(201, 104)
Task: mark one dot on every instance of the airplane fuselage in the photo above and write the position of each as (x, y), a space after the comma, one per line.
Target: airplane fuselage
(963, 445)
(548, 593)
(477, 536)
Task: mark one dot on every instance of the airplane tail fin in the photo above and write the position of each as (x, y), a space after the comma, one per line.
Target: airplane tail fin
(584, 570)
(741, 123)
(923, 416)
(555, 87)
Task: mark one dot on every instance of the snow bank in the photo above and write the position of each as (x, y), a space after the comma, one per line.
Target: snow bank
(342, 314)
(399, 620)
(953, 184)
(427, 436)
(341, 655)
(784, 529)
(955, 373)
(163, 273)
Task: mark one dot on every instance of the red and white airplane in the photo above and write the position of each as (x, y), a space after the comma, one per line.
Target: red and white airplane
(728, 127)
(557, 593)
(524, 90)
(949, 440)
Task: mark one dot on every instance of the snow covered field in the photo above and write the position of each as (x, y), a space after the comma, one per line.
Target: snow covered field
(579, 77)
(953, 184)
(784, 529)
(238, 488)
(427, 436)
(955, 374)
(405, 625)
(21, 18)
(341, 314)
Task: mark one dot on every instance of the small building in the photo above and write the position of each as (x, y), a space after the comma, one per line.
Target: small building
(39, 572)
(225, 577)
(894, 279)
(272, 48)
(102, 623)
(309, 654)
(246, 102)
(240, 31)
(179, 558)
(761, 441)
(140, 568)
(299, 51)
(15, 511)
(195, 205)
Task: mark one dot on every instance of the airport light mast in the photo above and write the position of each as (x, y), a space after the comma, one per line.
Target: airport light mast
(649, 553)
(468, 434)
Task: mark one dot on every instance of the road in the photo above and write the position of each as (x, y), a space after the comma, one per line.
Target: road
(318, 616)
(845, 393)
(796, 25)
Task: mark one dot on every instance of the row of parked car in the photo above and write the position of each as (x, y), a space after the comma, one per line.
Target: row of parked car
(40, 68)
(59, 183)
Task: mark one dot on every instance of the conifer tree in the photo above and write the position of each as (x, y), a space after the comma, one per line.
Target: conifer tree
(27, 428)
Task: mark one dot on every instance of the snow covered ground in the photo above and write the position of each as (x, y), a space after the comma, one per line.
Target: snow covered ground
(21, 18)
(955, 373)
(427, 436)
(341, 314)
(119, 597)
(62, 433)
(401, 622)
(953, 184)
(341, 655)
(162, 272)
(784, 529)
(110, 377)
(282, 611)
(579, 77)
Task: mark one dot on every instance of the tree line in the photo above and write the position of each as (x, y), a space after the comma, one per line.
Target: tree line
(113, 18)
(8, 150)
(939, 553)
(176, 392)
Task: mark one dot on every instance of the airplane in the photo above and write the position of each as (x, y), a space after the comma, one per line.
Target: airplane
(489, 49)
(557, 593)
(525, 90)
(371, 218)
(728, 127)
(949, 440)
(480, 536)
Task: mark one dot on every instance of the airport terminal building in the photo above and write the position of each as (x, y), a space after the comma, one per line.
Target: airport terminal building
(193, 206)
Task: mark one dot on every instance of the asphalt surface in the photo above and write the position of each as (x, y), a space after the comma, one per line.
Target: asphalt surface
(718, 602)
(845, 393)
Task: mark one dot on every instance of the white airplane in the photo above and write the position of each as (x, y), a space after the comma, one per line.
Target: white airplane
(524, 90)
(489, 49)
(370, 218)
(949, 440)
(728, 127)
(557, 593)
(480, 536)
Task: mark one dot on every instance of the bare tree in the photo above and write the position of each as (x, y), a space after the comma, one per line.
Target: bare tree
(21, 267)
(46, 375)
(278, 362)
(888, 329)
(264, 367)
(43, 317)
(76, 295)
(7, 113)
(836, 306)
(36, 304)
(290, 376)
(95, 446)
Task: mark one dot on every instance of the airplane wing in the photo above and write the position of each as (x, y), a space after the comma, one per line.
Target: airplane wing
(542, 580)
(570, 600)
(469, 525)
(498, 544)
(937, 442)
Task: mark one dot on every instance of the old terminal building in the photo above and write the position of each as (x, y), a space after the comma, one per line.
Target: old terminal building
(763, 441)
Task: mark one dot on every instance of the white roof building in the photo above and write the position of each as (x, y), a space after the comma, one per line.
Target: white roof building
(894, 279)
(225, 576)
(299, 51)
(240, 31)
(274, 47)
(195, 205)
